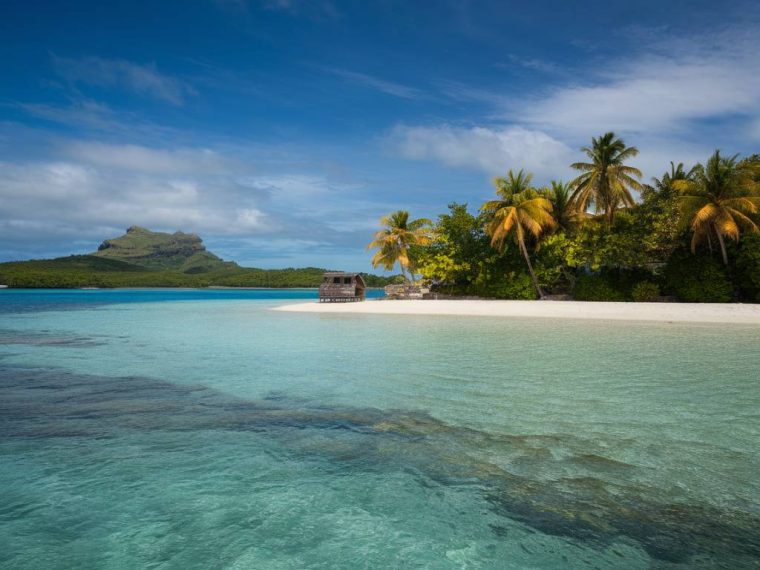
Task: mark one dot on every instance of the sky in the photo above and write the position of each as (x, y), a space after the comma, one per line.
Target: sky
(280, 131)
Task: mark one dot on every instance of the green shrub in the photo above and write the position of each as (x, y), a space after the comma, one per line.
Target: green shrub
(516, 286)
(597, 287)
(646, 291)
(748, 266)
(697, 279)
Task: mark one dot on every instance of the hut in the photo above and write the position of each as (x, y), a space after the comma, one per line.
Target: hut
(342, 287)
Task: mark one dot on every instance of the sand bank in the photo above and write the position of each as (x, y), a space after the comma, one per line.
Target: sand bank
(661, 312)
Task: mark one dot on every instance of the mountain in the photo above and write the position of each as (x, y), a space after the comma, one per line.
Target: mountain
(156, 250)
(142, 258)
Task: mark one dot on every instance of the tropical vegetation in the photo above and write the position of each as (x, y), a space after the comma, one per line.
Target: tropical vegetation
(142, 258)
(90, 271)
(397, 240)
(519, 212)
(692, 234)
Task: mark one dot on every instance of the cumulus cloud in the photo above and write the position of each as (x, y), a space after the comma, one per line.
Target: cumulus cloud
(492, 150)
(90, 190)
(653, 94)
(68, 196)
(670, 87)
(141, 79)
(662, 99)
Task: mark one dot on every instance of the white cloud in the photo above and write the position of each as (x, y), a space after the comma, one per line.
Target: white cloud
(144, 80)
(138, 158)
(665, 100)
(532, 63)
(89, 190)
(670, 87)
(493, 150)
(653, 94)
(94, 188)
(83, 113)
(382, 85)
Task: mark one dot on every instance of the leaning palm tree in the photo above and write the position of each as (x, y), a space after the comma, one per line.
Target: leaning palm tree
(520, 215)
(396, 238)
(606, 182)
(719, 201)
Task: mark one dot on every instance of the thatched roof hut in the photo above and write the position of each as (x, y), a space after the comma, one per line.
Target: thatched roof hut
(342, 287)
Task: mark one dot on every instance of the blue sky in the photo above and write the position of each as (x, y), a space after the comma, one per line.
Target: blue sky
(281, 130)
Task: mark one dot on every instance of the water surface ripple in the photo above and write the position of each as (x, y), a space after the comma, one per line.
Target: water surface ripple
(223, 435)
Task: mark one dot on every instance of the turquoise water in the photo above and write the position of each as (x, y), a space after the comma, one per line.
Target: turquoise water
(199, 429)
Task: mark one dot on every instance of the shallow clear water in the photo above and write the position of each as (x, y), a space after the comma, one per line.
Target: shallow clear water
(199, 429)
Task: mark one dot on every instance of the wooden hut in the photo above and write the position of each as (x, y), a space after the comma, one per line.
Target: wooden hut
(342, 287)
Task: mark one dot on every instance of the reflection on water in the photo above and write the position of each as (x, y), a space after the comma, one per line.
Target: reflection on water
(585, 497)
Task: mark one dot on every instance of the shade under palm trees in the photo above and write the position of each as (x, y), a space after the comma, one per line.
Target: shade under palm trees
(720, 200)
(395, 240)
(606, 182)
(519, 212)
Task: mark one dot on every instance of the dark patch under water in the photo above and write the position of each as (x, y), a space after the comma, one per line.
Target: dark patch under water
(50, 403)
(47, 338)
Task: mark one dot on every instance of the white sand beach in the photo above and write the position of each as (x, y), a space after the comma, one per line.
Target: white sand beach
(660, 312)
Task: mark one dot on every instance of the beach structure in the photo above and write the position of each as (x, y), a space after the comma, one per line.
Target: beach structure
(407, 291)
(342, 287)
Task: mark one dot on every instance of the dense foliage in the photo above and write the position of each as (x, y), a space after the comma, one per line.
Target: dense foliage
(692, 235)
(697, 279)
(92, 271)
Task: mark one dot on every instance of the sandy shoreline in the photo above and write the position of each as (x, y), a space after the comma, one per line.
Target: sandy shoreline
(658, 312)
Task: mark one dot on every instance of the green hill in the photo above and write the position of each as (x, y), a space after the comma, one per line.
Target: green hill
(142, 258)
(156, 250)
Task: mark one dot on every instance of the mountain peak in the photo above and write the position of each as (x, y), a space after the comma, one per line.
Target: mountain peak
(147, 248)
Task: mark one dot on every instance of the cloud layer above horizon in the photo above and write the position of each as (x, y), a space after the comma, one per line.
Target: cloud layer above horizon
(286, 129)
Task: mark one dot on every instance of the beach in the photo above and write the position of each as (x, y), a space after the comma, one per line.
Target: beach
(724, 313)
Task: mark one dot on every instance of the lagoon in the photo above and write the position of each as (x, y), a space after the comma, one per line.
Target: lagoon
(198, 429)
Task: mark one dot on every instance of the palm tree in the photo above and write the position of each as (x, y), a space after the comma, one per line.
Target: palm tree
(396, 238)
(675, 181)
(559, 196)
(518, 214)
(513, 183)
(720, 200)
(606, 181)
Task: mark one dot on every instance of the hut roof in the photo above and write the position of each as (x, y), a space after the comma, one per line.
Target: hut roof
(357, 276)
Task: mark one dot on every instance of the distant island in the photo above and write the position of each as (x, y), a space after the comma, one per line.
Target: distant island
(144, 258)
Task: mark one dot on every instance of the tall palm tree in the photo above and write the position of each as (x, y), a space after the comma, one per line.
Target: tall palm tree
(559, 196)
(606, 181)
(519, 214)
(396, 238)
(719, 201)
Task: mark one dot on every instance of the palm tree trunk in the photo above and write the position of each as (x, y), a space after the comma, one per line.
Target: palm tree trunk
(530, 269)
(722, 247)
